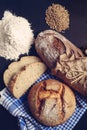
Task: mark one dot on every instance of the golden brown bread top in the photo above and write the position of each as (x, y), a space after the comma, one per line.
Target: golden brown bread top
(50, 102)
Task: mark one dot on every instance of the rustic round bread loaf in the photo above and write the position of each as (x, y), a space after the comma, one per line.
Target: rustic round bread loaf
(51, 102)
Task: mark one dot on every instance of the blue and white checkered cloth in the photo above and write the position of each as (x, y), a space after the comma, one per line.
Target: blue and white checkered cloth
(19, 108)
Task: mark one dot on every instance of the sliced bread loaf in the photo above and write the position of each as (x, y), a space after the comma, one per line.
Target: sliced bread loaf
(14, 67)
(21, 81)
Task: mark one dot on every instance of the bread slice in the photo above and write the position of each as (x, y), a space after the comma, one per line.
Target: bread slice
(23, 80)
(14, 67)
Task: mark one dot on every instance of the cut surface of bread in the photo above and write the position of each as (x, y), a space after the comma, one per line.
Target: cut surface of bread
(23, 80)
(14, 67)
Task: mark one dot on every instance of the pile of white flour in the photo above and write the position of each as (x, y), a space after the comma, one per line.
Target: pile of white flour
(16, 36)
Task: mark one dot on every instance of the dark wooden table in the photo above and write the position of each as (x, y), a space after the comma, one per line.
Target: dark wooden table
(34, 11)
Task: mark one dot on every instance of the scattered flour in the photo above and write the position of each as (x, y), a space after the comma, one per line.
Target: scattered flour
(16, 36)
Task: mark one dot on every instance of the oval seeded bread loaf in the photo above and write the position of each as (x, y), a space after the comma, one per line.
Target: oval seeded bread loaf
(23, 80)
(14, 67)
(51, 102)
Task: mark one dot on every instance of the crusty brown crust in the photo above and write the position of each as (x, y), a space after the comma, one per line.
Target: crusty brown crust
(50, 102)
(81, 66)
(51, 46)
(77, 87)
(54, 48)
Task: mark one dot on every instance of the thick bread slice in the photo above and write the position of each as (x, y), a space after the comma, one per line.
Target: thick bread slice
(14, 67)
(23, 80)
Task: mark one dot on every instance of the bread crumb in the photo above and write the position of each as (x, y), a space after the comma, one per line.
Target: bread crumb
(57, 17)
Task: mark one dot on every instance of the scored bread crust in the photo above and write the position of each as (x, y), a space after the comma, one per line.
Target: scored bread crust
(73, 73)
(52, 46)
(57, 52)
(23, 80)
(14, 67)
(51, 102)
